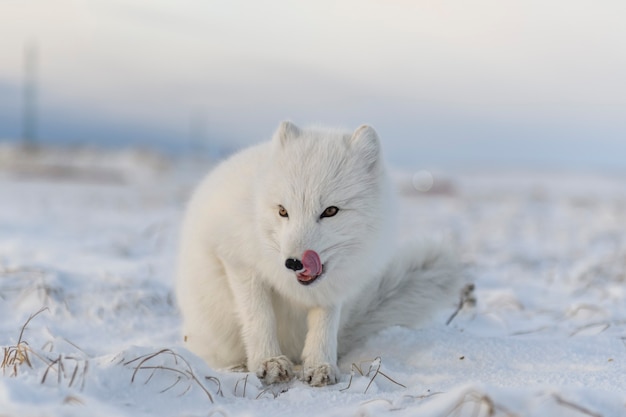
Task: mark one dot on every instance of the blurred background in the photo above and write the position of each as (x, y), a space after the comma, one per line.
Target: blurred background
(486, 83)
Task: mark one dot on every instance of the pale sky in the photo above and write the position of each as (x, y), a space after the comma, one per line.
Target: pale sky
(478, 82)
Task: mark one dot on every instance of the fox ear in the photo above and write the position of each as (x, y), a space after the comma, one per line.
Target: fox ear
(286, 131)
(365, 141)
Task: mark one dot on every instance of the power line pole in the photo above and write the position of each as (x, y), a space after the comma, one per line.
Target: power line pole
(29, 95)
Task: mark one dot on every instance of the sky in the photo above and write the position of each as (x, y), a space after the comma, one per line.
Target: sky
(522, 83)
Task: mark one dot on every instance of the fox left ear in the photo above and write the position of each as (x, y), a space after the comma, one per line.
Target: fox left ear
(365, 141)
(286, 131)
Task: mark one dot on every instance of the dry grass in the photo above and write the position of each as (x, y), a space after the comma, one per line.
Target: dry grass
(275, 390)
(67, 368)
(20, 282)
(182, 370)
(19, 354)
(477, 404)
(186, 378)
(245, 384)
(597, 327)
(569, 404)
(467, 299)
(373, 369)
(474, 403)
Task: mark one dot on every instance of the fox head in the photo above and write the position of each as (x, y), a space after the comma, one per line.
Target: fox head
(323, 202)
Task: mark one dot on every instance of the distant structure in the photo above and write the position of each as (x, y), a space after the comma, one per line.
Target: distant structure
(29, 95)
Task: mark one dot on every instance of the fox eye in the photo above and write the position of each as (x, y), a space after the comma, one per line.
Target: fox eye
(282, 212)
(329, 212)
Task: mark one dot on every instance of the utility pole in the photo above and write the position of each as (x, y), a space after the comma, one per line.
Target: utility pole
(29, 95)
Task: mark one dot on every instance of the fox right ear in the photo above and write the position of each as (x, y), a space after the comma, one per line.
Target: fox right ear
(365, 141)
(286, 131)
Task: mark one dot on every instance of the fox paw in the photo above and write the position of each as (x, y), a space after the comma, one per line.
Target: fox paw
(274, 370)
(321, 375)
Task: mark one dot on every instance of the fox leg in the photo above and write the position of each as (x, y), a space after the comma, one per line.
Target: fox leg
(258, 325)
(320, 348)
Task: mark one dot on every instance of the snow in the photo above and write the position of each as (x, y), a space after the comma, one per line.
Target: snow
(546, 335)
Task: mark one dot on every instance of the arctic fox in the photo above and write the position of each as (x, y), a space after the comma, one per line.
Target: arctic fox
(286, 257)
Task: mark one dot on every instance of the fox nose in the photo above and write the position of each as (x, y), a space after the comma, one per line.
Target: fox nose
(294, 264)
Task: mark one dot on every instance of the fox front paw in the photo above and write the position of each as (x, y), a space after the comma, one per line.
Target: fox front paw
(321, 375)
(275, 370)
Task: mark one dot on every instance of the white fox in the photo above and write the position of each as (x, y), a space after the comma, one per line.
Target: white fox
(286, 256)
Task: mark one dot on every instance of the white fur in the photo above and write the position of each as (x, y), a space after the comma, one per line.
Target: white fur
(241, 305)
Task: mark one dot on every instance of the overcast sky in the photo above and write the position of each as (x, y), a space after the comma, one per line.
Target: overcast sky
(519, 82)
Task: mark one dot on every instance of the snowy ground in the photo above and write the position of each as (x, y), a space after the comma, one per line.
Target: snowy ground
(94, 244)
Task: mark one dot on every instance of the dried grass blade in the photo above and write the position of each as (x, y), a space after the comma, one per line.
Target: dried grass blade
(561, 401)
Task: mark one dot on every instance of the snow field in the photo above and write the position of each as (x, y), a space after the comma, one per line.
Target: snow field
(546, 336)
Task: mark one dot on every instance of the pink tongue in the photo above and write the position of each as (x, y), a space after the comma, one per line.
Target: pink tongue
(312, 264)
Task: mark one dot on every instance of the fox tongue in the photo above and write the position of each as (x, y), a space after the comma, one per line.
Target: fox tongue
(312, 263)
